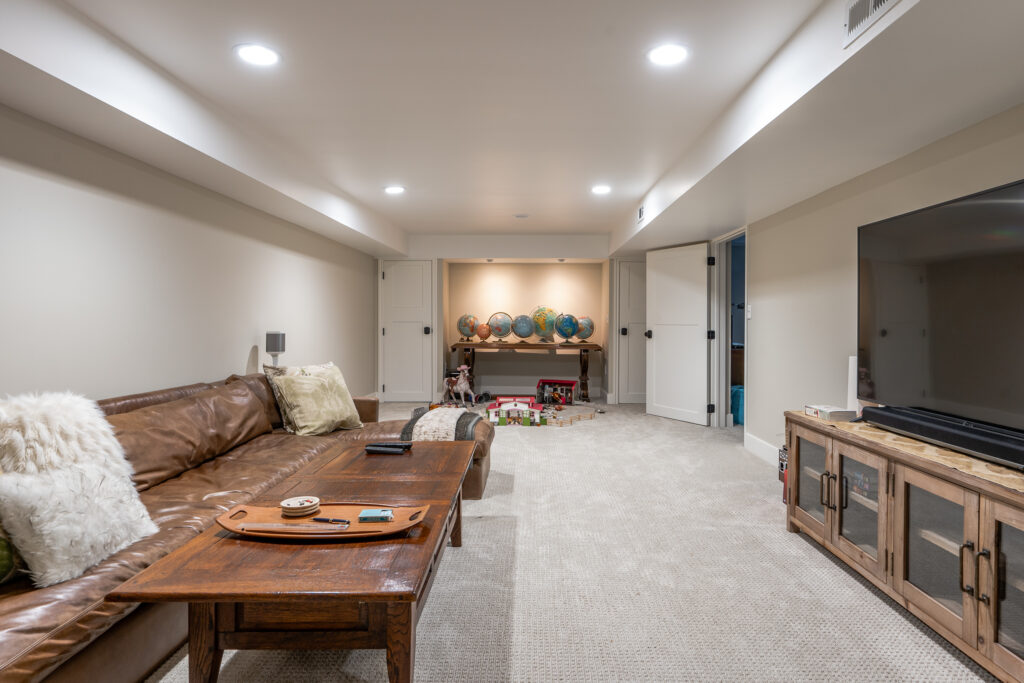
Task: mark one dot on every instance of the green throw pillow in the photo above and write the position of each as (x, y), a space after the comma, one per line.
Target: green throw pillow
(11, 563)
(317, 403)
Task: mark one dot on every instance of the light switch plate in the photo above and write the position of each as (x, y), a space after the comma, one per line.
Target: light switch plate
(750, 311)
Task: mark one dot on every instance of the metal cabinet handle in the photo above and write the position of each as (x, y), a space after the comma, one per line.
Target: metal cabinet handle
(834, 478)
(969, 545)
(821, 489)
(977, 561)
(846, 493)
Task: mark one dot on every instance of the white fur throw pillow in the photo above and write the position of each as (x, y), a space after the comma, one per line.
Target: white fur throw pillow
(66, 493)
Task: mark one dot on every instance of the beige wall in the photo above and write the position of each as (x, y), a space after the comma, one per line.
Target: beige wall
(516, 288)
(117, 278)
(802, 265)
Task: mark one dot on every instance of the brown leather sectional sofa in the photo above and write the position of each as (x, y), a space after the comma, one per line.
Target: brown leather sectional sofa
(197, 450)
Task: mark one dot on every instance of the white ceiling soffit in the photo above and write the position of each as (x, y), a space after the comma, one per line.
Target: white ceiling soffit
(483, 110)
(57, 68)
(511, 245)
(931, 69)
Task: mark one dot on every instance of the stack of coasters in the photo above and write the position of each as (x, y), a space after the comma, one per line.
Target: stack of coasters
(300, 506)
(376, 515)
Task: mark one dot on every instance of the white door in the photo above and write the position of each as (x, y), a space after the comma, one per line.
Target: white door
(677, 325)
(632, 313)
(406, 319)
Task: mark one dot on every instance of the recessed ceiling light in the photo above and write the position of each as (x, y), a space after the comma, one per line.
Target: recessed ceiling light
(256, 55)
(522, 215)
(669, 54)
(490, 260)
(601, 189)
(394, 189)
(561, 260)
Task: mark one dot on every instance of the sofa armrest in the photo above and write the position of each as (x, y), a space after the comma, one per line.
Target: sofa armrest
(368, 407)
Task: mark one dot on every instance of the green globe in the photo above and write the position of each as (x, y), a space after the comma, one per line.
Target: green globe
(544, 322)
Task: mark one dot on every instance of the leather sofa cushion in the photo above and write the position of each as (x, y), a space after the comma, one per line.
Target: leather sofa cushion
(41, 628)
(164, 440)
(124, 404)
(260, 386)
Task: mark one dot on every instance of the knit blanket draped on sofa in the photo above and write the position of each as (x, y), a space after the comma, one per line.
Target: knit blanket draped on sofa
(440, 424)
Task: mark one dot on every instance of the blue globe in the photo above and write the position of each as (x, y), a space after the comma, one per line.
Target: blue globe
(586, 330)
(467, 325)
(522, 326)
(566, 326)
(500, 324)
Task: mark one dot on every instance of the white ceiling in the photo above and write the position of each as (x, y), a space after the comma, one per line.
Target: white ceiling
(482, 109)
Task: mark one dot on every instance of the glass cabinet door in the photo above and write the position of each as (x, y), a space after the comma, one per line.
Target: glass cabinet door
(936, 534)
(1000, 566)
(810, 481)
(862, 510)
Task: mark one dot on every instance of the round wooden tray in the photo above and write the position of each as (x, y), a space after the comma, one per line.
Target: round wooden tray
(268, 522)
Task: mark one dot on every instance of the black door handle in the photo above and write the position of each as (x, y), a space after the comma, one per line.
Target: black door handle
(649, 334)
(623, 331)
(426, 330)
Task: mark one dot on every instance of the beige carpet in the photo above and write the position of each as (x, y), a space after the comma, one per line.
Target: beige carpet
(635, 548)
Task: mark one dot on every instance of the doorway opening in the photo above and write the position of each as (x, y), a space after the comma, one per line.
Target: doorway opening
(737, 326)
(729, 318)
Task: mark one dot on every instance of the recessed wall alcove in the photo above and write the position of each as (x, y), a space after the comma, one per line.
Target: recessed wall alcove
(576, 286)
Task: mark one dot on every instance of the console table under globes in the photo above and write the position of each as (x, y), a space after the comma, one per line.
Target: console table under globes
(469, 350)
(939, 532)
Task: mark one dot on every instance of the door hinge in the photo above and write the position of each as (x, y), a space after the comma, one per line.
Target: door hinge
(711, 334)
(383, 331)
(383, 388)
(711, 260)
(711, 408)
(382, 275)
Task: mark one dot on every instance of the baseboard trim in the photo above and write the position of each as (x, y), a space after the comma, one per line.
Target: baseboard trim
(761, 448)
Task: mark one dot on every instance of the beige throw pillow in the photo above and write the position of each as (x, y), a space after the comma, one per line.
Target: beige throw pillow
(316, 403)
(272, 371)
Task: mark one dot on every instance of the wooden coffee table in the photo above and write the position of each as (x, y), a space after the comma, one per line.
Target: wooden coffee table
(248, 594)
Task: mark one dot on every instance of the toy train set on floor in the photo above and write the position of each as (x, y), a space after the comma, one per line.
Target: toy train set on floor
(546, 407)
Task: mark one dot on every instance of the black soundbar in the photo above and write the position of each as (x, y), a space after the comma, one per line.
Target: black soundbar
(988, 442)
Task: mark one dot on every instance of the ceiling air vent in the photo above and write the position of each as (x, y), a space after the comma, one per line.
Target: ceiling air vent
(861, 15)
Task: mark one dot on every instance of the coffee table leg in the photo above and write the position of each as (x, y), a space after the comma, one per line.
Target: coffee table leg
(401, 641)
(203, 654)
(457, 526)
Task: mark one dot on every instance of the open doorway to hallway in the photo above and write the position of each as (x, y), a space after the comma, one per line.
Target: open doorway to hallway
(737, 295)
(729, 322)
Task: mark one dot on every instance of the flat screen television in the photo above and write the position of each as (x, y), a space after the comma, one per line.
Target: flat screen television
(940, 327)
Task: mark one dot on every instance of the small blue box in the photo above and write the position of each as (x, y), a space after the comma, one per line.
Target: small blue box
(376, 515)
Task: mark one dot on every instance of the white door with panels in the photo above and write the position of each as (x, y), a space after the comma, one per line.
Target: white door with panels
(677, 333)
(632, 314)
(406, 322)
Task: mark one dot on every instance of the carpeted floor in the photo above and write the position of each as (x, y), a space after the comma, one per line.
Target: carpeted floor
(634, 548)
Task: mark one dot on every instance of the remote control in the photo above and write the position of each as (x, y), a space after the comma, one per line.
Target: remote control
(373, 449)
(404, 445)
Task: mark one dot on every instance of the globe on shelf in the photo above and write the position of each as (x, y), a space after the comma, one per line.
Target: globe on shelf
(500, 324)
(544, 323)
(483, 330)
(522, 327)
(467, 326)
(586, 330)
(566, 326)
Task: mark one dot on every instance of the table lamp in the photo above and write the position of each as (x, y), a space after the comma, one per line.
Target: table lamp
(275, 345)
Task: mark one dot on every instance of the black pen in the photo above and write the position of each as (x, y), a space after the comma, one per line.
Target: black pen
(330, 520)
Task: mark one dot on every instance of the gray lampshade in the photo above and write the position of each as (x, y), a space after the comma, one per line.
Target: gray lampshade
(275, 342)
